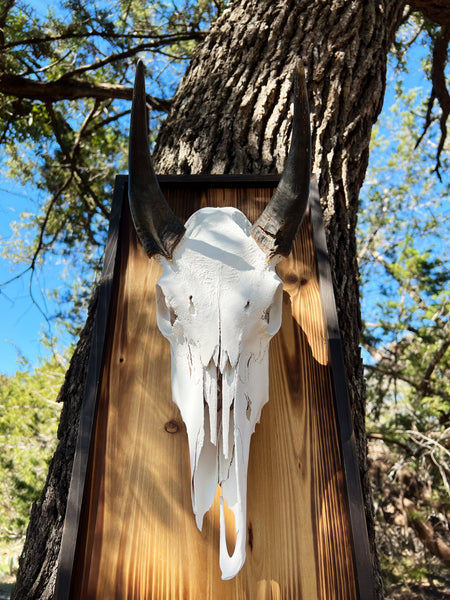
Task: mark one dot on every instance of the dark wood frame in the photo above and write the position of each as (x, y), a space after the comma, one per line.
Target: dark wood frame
(362, 559)
(89, 404)
(359, 537)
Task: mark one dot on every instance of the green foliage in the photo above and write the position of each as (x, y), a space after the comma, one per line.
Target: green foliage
(29, 419)
(405, 289)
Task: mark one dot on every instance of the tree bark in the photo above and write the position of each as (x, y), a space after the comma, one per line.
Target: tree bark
(231, 114)
(435, 10)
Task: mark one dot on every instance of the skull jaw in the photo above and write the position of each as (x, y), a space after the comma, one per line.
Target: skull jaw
(221, 458)
(231, 565)
(231, 475)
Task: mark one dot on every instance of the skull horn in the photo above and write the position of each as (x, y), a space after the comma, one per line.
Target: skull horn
(276, 228)
(157, 227)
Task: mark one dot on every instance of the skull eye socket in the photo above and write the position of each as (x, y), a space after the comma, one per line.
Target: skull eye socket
(165, 314)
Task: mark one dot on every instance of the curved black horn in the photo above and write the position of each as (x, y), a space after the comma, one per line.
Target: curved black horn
(157, 227)
(276, 228)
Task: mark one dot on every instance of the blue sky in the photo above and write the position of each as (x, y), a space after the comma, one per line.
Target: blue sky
(21, 322)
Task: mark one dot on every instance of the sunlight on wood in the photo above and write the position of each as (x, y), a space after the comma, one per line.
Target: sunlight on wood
(230, 525)
(268, 590)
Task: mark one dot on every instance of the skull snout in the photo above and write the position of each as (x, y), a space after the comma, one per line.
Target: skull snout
(219, 315)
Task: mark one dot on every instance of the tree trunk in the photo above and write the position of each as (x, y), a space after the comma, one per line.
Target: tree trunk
(232, 115)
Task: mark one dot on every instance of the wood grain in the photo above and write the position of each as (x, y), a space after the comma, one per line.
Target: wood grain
(138, 537)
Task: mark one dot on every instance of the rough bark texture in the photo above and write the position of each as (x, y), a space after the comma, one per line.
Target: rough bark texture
(435, 10)
(232, 115)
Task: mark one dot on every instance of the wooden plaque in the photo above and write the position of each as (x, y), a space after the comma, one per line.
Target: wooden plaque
(129, 531)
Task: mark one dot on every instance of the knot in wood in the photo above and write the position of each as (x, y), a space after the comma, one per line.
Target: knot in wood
(171, 427)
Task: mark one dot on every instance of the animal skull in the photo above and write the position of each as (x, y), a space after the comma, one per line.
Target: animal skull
(219, 303)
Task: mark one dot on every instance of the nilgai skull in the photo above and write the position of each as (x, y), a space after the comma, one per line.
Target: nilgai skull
(219, 303)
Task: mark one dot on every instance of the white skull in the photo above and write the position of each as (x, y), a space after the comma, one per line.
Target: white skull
(219, 303)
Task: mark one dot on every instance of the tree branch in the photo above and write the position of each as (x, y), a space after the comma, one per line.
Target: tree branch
(425, 383)
(396, 374)
(3, 16)
(112, 119)
(119, 56)
(430, 539)
(439, 91)
(435, 10)
(388, 439)
(71, 155)
(406, 285)
(71, 89)
(157, 40)
(48, 211)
